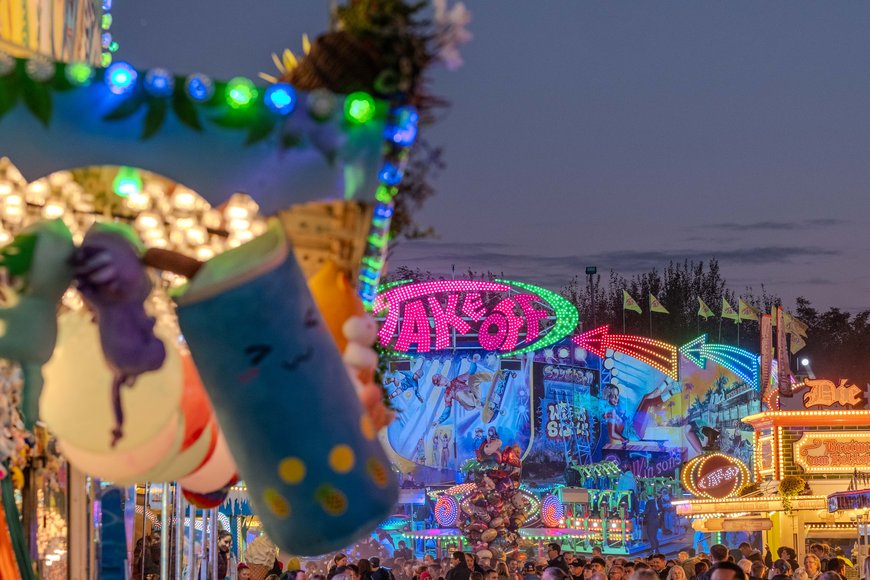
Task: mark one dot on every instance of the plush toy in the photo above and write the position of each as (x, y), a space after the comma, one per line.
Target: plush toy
(39, 264)
(114, 283)
(307, 450)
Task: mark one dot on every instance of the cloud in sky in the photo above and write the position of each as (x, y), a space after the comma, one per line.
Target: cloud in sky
(771, 225)
(554, 271)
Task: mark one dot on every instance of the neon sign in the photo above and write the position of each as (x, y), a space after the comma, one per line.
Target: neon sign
(507, 317)
(825, 452)
(714, 476)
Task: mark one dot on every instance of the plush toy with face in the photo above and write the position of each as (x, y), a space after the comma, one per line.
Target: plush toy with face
(304, 445)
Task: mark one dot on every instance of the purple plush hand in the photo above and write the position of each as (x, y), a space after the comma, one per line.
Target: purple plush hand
(114, 283)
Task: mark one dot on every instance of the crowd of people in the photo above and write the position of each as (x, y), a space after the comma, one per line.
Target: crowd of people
(721, 563)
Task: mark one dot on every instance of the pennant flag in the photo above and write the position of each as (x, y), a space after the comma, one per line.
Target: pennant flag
(656, 306)
(795, 326)
(747, 311)
(797, 343)
(704, 310)
(773, 315)
(629, 303)
(728, 312)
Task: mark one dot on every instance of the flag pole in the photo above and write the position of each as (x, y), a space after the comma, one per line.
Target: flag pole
(650, 315)
(623, 319)
(738, 330)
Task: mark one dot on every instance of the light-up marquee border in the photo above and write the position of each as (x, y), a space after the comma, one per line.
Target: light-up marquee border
(698, 477)
(413, 309)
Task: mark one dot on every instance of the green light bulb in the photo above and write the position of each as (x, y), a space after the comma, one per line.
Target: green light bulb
(127, 182)
(359, 108)
(241, 92)
(79, 73)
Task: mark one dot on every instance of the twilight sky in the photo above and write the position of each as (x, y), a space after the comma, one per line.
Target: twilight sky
(616, 134)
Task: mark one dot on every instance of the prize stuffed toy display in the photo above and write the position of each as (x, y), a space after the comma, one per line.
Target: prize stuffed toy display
(306, 448)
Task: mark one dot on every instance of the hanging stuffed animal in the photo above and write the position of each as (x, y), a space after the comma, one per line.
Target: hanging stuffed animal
(115, 284)
(38, 263)
(307, 450)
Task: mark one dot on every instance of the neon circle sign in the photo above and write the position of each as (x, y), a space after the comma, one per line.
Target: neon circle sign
(503, 316)
(714, 476)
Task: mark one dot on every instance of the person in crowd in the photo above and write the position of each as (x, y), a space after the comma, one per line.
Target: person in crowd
(556, 559)
(484, 559)
(596, 552)
(718, 555)
(758, 572)
(813, 566)
(749, 553)
(787, 554)
(338, 561)
(645, 573)
(502, 571)
(641, 565)
(599, 576)
(378, 572)
(555, 572)
(652, 514)
(779, 570)
(365, 569)
(682, 557)
(837, 565)
(403, 551)
(616, 572)
(746, 566)
(243, 572)
(575, 569)
(724, 570)
(800, 574)
(476, 576)
(459, 569)
(529, 572)
(598, 564)
(657, 563)
(701, 568)
(490, 575)
(676, 573)
(588, 571)
(820, 551)
(146, 556)
(830, 576)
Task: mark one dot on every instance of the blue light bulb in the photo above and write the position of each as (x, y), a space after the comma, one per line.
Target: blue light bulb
(403, 131)
(199, 87)
(159, 83)
(105, 39)
(390, 174)
(121, 78)
(281, 98)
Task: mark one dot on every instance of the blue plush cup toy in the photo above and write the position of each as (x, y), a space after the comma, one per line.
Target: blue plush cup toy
(316, 473)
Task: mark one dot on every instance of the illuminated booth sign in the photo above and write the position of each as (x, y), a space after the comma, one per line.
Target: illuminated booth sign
(714, 476)
(502, 316)
(821, 451)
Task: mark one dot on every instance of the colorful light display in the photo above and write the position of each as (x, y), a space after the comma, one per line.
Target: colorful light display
(741, 362)
(446, 511)
(513, 325)
(552, 511)
(714, 476)
(658, 354)
(694, 351)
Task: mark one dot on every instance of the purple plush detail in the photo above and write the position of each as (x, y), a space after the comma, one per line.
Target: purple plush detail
(115, 284)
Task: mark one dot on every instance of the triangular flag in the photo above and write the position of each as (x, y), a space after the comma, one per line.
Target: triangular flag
(704, 310)
(773, 315)
(728, 312)
(797, 343)
(629, 303)
(747, 311)
(656, 306)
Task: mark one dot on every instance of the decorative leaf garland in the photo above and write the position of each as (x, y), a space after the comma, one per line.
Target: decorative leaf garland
(256, 119)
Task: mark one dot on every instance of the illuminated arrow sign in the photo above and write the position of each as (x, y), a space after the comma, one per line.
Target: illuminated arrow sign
(659, 355)
(741, 362)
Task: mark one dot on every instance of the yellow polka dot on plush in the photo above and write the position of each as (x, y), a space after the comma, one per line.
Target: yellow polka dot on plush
(367, 427)
(276, 503)
(291, 470)
(341, 458)
(332, 500)
(378, 472)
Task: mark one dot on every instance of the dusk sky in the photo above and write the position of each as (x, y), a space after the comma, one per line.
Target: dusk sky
(616, 134)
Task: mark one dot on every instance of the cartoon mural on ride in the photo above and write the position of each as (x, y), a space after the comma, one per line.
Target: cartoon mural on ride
(565, 401)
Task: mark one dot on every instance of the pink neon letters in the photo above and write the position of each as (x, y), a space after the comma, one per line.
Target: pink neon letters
(414, 310)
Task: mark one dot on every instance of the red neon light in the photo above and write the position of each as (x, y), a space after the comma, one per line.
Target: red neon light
(657, 354)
